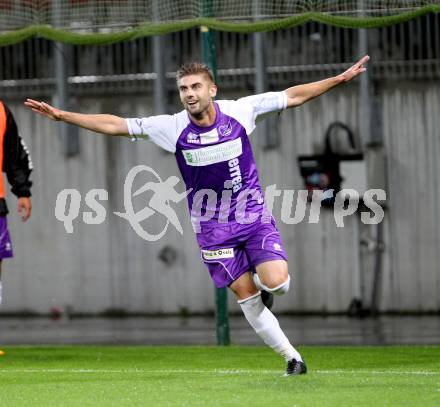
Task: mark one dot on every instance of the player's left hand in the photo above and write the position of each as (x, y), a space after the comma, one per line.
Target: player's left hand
(24, 208)
(355, 70)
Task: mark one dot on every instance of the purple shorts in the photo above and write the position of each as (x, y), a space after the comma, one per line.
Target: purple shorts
(231, 250)
(5, 239)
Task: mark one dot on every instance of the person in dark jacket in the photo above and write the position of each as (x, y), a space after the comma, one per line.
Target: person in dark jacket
(17, 164)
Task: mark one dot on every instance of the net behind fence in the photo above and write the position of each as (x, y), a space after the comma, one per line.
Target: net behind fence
(106, 21)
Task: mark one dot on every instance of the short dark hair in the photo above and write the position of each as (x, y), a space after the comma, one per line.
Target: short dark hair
(194, 68)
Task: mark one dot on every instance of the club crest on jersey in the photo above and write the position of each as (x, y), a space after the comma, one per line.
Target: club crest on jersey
(225, 129)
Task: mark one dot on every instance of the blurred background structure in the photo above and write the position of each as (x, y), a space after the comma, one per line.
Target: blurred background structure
(107, 268)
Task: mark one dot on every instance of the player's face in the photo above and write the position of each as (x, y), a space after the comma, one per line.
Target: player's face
(196, 93)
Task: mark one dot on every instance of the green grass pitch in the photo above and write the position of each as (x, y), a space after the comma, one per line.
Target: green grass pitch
(218, 376)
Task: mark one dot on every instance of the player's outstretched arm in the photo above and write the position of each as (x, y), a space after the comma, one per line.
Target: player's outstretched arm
(100, 123)
(297, 95)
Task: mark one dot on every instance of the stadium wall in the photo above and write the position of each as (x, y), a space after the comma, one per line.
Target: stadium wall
(107, 267)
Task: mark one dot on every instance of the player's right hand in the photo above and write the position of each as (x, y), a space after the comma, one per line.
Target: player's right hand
(44, 109)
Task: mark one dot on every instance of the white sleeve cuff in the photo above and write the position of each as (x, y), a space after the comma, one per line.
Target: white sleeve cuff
(130, 130)
(283, 100)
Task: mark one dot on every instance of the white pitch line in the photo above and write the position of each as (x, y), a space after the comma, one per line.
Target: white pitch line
(152, 372)
(223, 372)
(159, 371)
(383, 372)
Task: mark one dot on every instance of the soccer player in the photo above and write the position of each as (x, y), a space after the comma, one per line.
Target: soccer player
(210, 140)
(16, 163)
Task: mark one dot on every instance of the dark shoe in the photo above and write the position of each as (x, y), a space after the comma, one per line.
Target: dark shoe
(295, 367)
(267, 299)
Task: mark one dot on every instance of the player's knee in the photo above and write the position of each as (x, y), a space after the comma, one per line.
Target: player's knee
(276, 277)
(280, 285)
